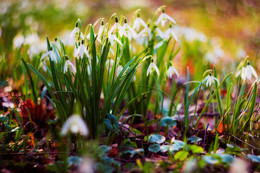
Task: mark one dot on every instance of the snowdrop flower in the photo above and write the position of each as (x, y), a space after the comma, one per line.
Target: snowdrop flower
(145, 32)
(209, 80)
(81, 50)
(167, 34)
(57, 43)
(171, 71)
(75, 32)
(127, 31)
(18, 41)
(116, 27)
(151, 68)
(170, 32)
(138, 22)
(75, 124)
(112, 38)
(118, 70)
(163, 17)
(247, 72)
(101, 30)
(51, 54)
(69, 65)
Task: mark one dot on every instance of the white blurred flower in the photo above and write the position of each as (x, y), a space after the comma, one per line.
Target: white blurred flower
(238, 166)
(32, 39)
(171, 71)
(112, 38)
(247, 72)
(190, 34)
(86, 166)
(152, 67)
(109, 64)
(118, 70)
(51, 54)
(35, 49)
(241, 53)
(138, 22)
(209, 80)
(214, 55)
(69, 65)
(163, 17)
(65, 38)
(18, 41)
(75, 124)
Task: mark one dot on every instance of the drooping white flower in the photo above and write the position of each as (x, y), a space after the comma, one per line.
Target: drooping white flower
(152, 67)
(247, 72)
(146, 32)
(51, 54)
(209, 80)
(112, 38)
(171, 71)
(170, 32)
(116, 27)
(138, 22)
(163, 17)
(75, 124)
(69, 65)
(127, 31)
(75, 32)
(101, 30)
(81, 50)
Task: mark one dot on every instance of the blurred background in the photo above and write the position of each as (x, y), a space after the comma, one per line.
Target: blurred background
(212, 31)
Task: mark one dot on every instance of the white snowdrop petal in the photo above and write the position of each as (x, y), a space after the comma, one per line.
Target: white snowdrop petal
(170, 18)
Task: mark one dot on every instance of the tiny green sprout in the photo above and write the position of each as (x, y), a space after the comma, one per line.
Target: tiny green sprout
(102, 22)
(170, 26)
(125, 20)
(56, 39)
